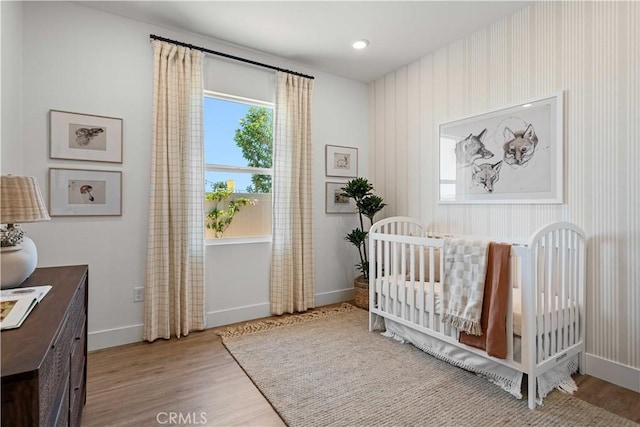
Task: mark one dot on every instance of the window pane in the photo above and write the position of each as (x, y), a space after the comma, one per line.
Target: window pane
(233, 211)
(237, 134)
(238, 182)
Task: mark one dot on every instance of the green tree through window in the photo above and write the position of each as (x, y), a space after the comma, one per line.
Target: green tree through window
(255, 139)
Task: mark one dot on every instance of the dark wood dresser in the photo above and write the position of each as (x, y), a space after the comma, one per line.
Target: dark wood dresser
(44, 361)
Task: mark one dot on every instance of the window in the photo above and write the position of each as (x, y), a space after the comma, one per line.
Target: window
(238, 138)
(447, 173)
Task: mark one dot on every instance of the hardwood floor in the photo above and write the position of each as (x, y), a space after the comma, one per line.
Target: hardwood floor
(193, 379)
(611, 397)
(197, 382)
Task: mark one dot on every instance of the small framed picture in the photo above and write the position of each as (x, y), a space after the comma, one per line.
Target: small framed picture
(341, 161)
(76, 192)
(337, 203)
(77, 136)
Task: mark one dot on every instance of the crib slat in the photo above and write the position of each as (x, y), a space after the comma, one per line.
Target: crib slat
(540, 278)
(553, 294)
(571, 296)
(402, 280)
(562, 299)
(379, 276)
(387, 277)
(422, 293)
(510, 308)
(394, 278)
(412, 277)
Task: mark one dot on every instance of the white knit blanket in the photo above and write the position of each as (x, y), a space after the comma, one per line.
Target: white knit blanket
(465, 266)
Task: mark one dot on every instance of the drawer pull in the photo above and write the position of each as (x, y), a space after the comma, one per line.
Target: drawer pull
(76, 389)
(78, 338)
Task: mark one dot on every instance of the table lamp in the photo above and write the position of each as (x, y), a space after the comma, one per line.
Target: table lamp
(20, 201)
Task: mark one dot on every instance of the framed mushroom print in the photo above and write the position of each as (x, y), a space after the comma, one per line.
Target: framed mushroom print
(76, 136)
(76, 192)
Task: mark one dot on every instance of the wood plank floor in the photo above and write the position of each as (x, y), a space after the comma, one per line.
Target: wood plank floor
(144, 384)
(195, 378)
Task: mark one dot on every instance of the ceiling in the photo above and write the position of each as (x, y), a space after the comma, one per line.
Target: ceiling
(320, 34)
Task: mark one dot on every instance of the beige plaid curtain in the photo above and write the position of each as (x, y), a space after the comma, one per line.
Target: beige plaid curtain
(292, 258)
(174, 290)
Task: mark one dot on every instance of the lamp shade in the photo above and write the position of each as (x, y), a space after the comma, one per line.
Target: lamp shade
(21, 200)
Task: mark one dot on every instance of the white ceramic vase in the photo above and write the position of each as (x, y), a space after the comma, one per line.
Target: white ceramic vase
(17, 263)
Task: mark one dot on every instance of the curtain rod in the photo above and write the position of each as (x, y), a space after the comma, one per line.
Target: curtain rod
(226, 55)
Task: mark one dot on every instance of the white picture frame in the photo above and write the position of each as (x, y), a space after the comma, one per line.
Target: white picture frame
(341, 161)
(76, 136)
(512, 155)
(78, 192)
(336, 203)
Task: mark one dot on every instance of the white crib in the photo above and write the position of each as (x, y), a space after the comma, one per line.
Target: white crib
(545, 314)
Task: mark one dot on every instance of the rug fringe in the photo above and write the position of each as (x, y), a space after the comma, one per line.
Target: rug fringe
(267, 324)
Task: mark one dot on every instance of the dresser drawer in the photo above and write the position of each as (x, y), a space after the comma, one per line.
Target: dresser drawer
(78, 360)
(62, 411)
(77, 311)
(77, 403)
(55, 372)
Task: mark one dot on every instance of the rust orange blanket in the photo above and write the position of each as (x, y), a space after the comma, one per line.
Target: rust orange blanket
(494, 305)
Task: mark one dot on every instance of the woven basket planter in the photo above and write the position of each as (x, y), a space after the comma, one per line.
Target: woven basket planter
(361, 288)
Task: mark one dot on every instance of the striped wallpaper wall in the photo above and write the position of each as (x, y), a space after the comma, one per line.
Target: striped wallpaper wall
(589, 50)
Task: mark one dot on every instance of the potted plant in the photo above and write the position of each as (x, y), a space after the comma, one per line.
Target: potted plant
(368, 205)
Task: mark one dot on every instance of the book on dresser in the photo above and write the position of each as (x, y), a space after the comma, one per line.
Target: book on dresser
(17, 303)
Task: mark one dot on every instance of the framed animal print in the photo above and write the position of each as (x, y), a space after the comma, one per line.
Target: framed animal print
(512, 155)
(335, 202)
(77, 136)
(341, 161)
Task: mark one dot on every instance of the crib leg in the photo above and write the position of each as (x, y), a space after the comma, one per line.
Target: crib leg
(376, 322)
(532, 392)
(582, 363)
(373, 322)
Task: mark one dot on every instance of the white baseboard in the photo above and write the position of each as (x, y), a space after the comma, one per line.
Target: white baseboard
(113, 337)
(613, 372)
(237, 314)
(129, 334)
(333, 297)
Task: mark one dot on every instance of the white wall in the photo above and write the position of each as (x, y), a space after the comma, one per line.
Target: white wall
(591, 50)
(82, 60)
(11, 87)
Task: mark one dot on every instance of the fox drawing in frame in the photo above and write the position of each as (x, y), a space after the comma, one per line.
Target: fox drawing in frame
(486, 175)
(472, 148)
(520, 145)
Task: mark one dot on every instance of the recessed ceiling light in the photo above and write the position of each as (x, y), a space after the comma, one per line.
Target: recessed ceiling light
(360, 44)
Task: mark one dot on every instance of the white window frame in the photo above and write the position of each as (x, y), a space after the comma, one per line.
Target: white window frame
(212, 167)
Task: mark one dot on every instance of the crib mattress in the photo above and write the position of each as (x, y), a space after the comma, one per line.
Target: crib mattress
(393, 289)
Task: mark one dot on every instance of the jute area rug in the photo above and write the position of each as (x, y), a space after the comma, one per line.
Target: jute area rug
(325, 369)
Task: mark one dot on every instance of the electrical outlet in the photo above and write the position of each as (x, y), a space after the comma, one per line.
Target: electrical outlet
(138, 294)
